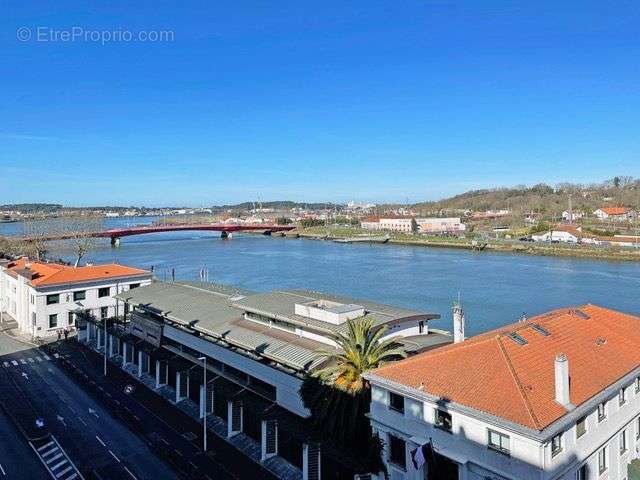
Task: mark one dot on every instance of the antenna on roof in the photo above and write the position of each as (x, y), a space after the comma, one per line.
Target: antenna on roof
(523, 318)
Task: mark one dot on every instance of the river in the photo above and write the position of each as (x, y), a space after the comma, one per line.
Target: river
(495, 288)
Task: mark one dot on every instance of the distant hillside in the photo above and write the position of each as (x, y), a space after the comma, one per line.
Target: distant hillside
(542, 198)
(32, 207)
(277, 205)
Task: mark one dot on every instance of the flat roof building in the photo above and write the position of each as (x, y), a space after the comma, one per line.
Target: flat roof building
(258, 347)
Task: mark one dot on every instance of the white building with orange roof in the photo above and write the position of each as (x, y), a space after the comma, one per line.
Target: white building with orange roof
(554, 397)
(621, 214)
(42, 297)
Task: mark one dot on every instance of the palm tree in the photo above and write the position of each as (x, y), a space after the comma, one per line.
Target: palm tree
(360, 349)
(338, 397)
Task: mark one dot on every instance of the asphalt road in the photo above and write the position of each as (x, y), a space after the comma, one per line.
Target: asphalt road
(94, 439)
(17, 459)
(175, 436)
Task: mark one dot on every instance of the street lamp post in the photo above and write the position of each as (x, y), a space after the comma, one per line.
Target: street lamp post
(105, 328)
(204, 403)
(104, 320)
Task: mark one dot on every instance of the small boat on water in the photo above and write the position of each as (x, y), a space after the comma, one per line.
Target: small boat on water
(363, 239)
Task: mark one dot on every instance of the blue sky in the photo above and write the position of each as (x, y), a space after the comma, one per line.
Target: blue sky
(313, 101)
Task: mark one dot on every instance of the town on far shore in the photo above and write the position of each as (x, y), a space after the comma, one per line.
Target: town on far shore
(567, 220)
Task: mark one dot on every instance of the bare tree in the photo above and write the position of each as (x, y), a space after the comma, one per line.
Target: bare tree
(36, 238)
(79, 232)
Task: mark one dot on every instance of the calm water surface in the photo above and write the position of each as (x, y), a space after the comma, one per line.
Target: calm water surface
(495, 288)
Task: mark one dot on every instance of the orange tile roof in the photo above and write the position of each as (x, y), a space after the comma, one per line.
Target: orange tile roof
(494, 374)
(46, 274)
(615, 210)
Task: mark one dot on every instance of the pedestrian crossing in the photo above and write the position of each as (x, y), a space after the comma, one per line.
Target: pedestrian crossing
(56, 460)
(26, 361)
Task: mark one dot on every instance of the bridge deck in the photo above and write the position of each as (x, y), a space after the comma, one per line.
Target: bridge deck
(129, 231)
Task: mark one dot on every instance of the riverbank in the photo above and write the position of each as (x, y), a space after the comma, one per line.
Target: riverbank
(496, 245)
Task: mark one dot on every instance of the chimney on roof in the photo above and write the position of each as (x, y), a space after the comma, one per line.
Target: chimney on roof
(458, 323)
(561, 367)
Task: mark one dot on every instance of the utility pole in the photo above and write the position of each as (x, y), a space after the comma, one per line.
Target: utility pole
(204, 403)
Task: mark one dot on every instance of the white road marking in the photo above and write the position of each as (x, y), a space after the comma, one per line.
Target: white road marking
(73, 410)
(100, 440)
(5, 364)
(30, 360)
(82, 421)
(129, 472)
(2, 470)
(45, 446)
(114, 456)
(47, 357)
(39, 359)
(15, 364)
(55, 457)
(56, 355)
(22, 361)
(65, 471)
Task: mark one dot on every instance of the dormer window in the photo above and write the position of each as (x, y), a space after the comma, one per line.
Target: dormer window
(602, 411)
(622, 396)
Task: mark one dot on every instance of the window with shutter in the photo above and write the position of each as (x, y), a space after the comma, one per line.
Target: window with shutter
(236, 416)
(210, 400)
(271, 434)
(313, 462)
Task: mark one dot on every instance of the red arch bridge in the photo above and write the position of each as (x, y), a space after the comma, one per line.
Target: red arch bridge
(115, 234)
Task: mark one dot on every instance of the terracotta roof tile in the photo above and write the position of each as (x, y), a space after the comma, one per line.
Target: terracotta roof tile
(494, 374)
(53, 273)
(615, 210)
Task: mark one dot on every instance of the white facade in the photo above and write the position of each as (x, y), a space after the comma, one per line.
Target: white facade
(286, 385)
(370, 225)
(572, 216)
(425, 225)
(43, 311)
(557, 236)
(602, 449)
(396, 224)
(441, 225)
(624, 216)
